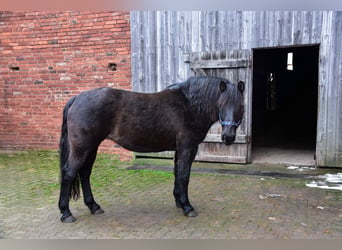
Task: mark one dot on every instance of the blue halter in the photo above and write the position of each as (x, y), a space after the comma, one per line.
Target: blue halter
(228, 123)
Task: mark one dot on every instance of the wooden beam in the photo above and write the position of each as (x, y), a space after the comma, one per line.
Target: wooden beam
(217, 138)
(220, 64)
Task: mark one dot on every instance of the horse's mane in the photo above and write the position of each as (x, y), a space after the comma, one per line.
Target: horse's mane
(203, 93)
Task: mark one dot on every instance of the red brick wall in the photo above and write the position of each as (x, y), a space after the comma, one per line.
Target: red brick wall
(47, 57)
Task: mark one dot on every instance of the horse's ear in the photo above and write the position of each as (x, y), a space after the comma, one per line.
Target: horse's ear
(241, 86)
(223, 86)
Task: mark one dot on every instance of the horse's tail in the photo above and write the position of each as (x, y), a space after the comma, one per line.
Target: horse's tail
(64, 150)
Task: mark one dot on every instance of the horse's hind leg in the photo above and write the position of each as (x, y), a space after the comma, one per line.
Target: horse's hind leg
(68, 179)
(63, 203)
(70, 182)
(85, 173)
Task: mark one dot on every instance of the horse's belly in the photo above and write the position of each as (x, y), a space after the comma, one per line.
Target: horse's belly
(145, 144)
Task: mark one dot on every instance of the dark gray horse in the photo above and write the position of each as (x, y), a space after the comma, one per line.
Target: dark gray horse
(177, 118)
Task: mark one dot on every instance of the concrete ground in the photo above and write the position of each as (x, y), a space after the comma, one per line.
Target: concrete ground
(274, 155)
(233, 201)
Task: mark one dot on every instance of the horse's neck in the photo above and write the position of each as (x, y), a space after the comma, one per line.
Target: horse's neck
(204, 109)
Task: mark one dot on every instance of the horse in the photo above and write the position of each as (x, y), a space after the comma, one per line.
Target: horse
(174, 119)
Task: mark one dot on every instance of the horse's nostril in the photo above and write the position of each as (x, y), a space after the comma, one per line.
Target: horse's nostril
(228, 140)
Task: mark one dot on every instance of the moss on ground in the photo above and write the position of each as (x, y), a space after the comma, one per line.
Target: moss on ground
(38, 172)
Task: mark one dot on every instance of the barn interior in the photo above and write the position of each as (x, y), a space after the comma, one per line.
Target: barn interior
(284, 108)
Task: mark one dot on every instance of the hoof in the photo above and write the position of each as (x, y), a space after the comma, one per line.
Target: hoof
(192, 213)
(98, 211)
(69, 219)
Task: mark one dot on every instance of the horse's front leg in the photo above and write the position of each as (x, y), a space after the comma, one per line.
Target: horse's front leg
(183, 162)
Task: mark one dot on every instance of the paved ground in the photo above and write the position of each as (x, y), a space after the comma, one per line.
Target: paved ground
(273, 155)
(139, 204)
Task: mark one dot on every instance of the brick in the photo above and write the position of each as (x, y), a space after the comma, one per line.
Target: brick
(59, 55)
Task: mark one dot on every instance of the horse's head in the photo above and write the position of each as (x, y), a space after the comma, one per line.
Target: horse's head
(230, 109)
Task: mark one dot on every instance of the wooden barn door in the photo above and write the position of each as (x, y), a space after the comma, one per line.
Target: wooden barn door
(235, 66)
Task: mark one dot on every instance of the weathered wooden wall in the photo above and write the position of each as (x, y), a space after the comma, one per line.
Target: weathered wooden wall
(329, 132)
(162, 40)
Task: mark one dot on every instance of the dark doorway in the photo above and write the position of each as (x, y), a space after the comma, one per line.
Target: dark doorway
(285, 97)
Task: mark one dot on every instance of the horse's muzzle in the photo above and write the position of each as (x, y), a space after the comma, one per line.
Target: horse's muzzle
(228, 140)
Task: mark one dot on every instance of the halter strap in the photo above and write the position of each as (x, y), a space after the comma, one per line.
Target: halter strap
(228, 123)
